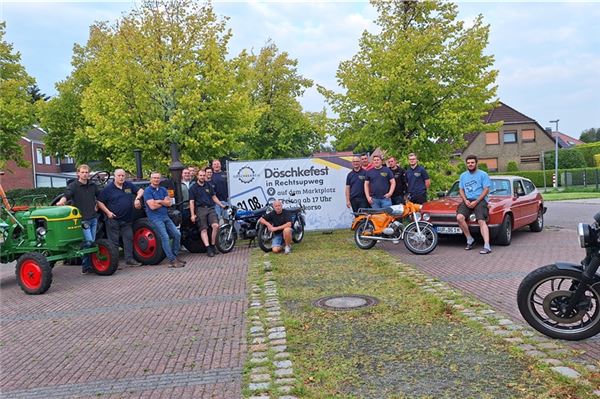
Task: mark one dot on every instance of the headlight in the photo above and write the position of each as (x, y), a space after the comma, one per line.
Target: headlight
(472, 217)
(583, 231)
(426, 217)
(41, 232)
(417, 216)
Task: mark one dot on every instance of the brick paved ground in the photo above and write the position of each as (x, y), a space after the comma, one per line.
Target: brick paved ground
(146, 332)
(494, 278)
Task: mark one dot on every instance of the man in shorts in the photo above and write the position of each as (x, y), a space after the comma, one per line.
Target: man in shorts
(279, 222)
(474, 186)
(202, 208)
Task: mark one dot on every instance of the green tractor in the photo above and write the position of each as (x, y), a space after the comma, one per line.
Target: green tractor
(37, 237)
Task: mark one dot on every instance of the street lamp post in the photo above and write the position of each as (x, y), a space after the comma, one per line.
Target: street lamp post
(555, 154)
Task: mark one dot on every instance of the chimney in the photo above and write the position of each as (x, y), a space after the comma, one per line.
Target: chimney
(549, 129)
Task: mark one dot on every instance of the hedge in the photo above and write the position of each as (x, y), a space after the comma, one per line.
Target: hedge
(588, 151)
(18, 193)
(537, 176)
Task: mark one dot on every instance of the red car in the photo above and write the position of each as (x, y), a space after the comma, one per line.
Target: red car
(514, 202)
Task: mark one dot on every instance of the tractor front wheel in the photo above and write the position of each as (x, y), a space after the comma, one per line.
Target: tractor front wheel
(34, 273)
(106, 261)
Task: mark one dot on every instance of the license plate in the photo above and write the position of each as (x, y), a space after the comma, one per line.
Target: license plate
(448, 230)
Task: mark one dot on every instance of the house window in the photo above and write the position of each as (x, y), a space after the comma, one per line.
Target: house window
(492, 163)
(492, 138)
(530, 158)
(510, 137)
(47, 160)
(39, 156)
(527, 135)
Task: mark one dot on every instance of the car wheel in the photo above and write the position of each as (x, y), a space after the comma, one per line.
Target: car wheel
(505, 235)
(538, 225)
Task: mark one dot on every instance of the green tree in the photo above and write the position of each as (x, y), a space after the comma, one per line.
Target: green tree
(418, 85)
(282, 128)
(35, 94)
(160, 74)
(16, 110)
(590, 135)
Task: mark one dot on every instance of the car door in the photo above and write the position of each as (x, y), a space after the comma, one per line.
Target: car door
(519, 204)
(532, 205)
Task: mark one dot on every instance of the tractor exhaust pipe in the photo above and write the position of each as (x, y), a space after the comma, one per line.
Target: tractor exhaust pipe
(137, 153)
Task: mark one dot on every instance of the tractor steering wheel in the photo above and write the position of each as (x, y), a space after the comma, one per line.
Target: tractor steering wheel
(101, 177)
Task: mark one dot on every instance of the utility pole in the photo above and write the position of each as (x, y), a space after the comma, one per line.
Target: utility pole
(555, 154)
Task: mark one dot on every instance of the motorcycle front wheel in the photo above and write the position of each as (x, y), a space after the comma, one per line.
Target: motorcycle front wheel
(543, 296)
(420, 242)
(365, 227)
(226, 238)
(298, 233)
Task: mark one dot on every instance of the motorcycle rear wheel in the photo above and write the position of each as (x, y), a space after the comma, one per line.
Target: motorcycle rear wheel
(363, 226)
(541, 295)
(420, 243)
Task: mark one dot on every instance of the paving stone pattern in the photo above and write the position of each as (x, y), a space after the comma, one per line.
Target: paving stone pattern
(494, 278)
(145, 332)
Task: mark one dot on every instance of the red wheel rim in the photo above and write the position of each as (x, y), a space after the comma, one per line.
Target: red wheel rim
(144, 243)
(31, 274)
(101, 259)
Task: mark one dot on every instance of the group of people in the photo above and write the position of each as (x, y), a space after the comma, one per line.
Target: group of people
(373, 185)
(370, 184)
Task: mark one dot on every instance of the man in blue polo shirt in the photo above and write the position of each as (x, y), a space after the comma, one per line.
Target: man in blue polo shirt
(355, 186)
(379, 184)
(157, 201)
(116, 202)
(417, 179)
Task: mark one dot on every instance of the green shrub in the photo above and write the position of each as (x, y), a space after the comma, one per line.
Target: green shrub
(483, 166)
(16, 196)
(597, 160)
(512, 167)
(537, 176)
(568, 158)
(589, 151)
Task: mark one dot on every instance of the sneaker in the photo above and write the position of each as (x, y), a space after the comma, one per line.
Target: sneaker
(86, 271)
(485, 251)
(287, 250)
(172, 264)
(216, 250)
(209, 252)
(132, 262)
(180, 260)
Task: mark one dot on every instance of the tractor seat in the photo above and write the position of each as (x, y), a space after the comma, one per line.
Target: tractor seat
(20, 208)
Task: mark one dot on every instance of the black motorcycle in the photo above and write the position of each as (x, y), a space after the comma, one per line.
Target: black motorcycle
(562, 300)
(298, 222)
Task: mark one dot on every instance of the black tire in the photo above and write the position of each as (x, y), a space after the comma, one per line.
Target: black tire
(540, 293)
(226, 238)
(361, 243)
(34, 274)
(538, 225)
(192, 241)
(147, 246)
(423, 243)
(505, 234)
(264, 237)
(106, 261)
(298, 232)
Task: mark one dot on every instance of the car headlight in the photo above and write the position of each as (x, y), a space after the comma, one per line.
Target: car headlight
(426, 217)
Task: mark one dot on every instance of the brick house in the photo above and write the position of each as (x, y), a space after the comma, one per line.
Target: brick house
(43, 171)
(520, 139)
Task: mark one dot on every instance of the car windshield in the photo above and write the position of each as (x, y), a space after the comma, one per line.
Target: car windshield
(499, 187)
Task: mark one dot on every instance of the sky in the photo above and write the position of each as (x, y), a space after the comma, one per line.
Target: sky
(547, 53)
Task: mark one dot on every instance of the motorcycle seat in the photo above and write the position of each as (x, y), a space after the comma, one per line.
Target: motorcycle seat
(372, 211)
(294, 208)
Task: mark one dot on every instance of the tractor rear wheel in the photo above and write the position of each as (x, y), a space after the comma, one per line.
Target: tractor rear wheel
(106, 261)
(34, 273)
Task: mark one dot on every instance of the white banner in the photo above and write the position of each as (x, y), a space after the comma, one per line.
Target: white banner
(318, 183)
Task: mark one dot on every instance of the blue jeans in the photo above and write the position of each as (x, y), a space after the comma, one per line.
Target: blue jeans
(166, 229)
(379, 203)
(219, 210)
(89, 235)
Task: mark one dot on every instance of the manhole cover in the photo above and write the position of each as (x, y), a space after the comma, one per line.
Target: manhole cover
(346, 302)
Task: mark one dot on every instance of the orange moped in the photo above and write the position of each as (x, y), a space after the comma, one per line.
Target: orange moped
(396, 223)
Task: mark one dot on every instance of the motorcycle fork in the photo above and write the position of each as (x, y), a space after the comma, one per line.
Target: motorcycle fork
(587, 278)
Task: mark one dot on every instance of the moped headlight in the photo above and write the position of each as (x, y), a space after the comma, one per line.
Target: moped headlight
(417, 216)
(583, 232)
(426, 217)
